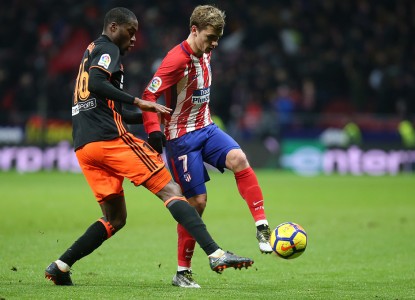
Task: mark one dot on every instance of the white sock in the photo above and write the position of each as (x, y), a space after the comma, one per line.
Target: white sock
(261, 222)
(62, 266)
(179, 269)
(217, 253)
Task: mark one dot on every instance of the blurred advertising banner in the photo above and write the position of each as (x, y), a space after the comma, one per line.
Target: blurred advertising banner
(40, 144)
(36, 158)
(303, 157)
(46, 144)
(311, 157)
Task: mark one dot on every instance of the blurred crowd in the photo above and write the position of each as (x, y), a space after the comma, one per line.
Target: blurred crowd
(277, 61)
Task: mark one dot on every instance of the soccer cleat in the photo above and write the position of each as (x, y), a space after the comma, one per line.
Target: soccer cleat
(263, 240)
(229, 260)
(53, 273)
(185, 279)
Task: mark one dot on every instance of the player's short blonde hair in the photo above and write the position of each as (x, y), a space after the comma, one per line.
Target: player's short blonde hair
(205, 15)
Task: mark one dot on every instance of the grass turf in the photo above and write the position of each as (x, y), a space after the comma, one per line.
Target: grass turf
(360, 229)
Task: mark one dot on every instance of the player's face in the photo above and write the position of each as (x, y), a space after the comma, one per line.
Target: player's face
(124, 36)
(206, 39)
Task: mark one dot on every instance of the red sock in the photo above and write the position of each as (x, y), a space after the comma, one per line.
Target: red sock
(185, 247)
(249, 189)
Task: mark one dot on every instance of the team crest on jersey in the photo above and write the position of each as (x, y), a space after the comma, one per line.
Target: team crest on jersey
(154, 84)
(187, 177)
(105, 60)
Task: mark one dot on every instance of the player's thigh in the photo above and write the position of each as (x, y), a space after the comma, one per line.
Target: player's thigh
(141, 164)
(189, 171)
(217, 146)
(107, 163)
(134, 159)
(103, 181)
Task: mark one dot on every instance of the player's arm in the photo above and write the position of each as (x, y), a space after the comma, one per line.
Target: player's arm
(100, 85)
(168, 74)
(156, 137)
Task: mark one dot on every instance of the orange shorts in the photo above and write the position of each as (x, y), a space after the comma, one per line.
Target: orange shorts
(105, 164)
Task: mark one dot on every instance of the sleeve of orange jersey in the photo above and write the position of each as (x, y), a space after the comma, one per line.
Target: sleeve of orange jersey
(169, 73)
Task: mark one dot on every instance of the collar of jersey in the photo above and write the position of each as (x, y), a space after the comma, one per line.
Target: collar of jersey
(186, 48)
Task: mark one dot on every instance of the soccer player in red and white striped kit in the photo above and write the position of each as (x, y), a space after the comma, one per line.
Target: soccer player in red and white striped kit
(190, 136)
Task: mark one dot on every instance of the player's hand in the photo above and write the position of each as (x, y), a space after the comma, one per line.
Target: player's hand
(145, 105)
(157, 140)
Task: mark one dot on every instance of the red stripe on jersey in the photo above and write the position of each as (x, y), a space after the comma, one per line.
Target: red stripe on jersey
(201, 116)
(185, 82)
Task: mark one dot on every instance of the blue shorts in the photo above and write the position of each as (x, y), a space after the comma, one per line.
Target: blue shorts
(187, 154)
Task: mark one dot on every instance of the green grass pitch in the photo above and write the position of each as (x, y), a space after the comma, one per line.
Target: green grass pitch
(361, 240)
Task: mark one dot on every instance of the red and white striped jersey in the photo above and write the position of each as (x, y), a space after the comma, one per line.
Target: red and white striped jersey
(185, 81)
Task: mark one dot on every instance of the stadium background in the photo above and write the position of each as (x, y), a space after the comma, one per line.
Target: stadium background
(311, 86)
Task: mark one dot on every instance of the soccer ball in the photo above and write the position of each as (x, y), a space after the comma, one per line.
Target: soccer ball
(288, 240)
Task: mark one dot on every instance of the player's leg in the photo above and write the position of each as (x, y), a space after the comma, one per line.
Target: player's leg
(186, 243)
(107, 188)
(249, 189)
(114, 211)
(146, 167)
(162, 185)
(186, 164)
(101, 230)
(188, 217)
(222, 151)
(185, 248)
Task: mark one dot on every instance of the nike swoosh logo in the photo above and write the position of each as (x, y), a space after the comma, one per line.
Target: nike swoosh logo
(256, 203)
(189, 251)
(289, 247)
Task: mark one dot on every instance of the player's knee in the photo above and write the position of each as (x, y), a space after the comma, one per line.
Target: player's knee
(236, 160)
(199, 203)
(118, 223)
(172, 189)
(200, 207)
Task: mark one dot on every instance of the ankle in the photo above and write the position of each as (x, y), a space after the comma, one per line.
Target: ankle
(262, 227)
(217, 253)
(64, 267)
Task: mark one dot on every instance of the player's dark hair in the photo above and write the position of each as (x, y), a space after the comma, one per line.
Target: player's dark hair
(119, 15)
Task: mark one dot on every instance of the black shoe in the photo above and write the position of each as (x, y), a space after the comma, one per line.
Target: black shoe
(53, 273)
(229, 260)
